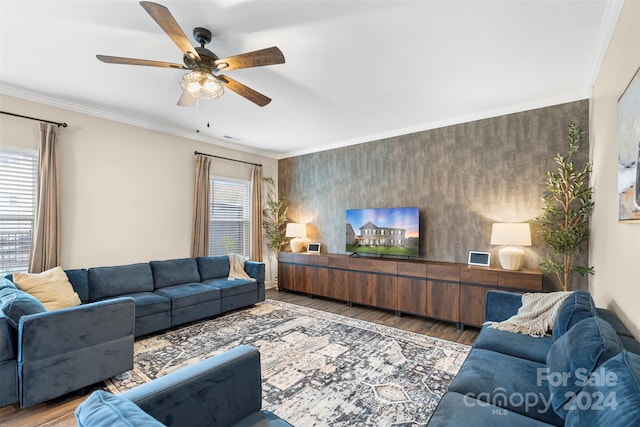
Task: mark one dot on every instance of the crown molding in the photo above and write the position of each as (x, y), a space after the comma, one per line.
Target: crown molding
(608, 26)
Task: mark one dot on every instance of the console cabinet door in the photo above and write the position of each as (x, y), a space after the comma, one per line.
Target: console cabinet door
(412, 288)
(443, 300)
(473, 301)
(294, 277)
(474, 285)
(338, 284)
(319, 276)
(378, 290)
(285, 275)
(373, 283)
(443, 291)
(300, 278)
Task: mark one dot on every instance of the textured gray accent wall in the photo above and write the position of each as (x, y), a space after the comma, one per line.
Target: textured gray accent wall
(462, 177)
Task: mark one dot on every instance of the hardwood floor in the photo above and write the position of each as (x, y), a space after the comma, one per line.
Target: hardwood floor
(59, 412)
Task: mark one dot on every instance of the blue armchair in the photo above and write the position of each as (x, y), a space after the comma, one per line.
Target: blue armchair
(45, 354)
(224, 390)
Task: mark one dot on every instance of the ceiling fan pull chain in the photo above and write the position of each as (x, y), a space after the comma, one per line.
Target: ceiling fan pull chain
(197, 114)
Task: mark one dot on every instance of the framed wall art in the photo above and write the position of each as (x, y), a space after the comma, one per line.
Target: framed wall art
(629, 152)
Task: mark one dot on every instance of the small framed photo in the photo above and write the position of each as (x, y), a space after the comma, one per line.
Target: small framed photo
(479, 258)
(313, 248)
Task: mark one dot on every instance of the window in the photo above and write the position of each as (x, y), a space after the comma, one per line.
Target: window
(229, 214)
(18, 171)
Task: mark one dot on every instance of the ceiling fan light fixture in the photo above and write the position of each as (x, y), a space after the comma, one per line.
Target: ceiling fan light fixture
(201, 85)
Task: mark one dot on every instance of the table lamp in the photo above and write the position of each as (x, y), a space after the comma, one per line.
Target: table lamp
(511, 235)
(299, 234)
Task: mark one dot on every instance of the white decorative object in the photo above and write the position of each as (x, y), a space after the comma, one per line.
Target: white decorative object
(299, 234)
(313, 247)
(512, 236)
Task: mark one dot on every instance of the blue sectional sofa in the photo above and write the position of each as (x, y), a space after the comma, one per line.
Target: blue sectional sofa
(45, 354)
(586, 374)
(224, 390)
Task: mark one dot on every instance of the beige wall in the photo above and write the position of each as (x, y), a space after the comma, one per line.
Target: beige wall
(615, 247)
(127, 192)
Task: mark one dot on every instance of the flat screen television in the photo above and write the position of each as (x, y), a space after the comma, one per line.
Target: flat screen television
(384, 231)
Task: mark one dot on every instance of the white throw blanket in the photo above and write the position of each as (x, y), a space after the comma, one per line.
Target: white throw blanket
(236, 268)
(536, 316)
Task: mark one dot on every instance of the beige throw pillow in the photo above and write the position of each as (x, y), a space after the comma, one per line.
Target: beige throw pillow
(52, 288)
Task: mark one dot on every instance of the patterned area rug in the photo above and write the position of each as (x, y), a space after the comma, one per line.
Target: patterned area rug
(318, 368)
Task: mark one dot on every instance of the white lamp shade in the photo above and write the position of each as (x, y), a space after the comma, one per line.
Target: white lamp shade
(517, 234)
(296, 230)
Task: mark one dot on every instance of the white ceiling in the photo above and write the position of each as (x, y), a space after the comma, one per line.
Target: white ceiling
(355, 71)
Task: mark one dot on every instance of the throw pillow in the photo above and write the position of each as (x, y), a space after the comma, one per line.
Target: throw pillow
(51, 287)
(574, 356)
(612, 396)
(16, 303)
(576, 307)
(105, 409)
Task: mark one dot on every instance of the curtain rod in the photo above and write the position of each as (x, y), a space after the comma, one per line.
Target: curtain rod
(64, 125)
(226, 158)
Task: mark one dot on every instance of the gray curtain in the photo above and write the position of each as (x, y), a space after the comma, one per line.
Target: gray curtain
(201, 194)
(256, 214)
(45, 245)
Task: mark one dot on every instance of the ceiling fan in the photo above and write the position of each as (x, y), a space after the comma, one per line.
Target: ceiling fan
(203, 80)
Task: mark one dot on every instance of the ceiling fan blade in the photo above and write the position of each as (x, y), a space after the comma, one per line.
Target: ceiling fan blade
(133, 61)
(245, 91)
(167, 22)
(186, 100)
(258, 58)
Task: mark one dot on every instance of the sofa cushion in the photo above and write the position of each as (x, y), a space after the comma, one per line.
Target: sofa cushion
(230, 288)
(612, 397)
(79, 279)
(105, 409)
(189, 294)
(51, 288)
(174, 272)
(576, 354)
(213, 267)
(577, 306)
(505, 381)
(148, 303)
(455, 409)
(107, 282)
(518, 345)
(16, 303)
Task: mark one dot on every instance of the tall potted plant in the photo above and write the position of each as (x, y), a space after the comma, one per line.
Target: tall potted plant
(274, 220)
(568, 205)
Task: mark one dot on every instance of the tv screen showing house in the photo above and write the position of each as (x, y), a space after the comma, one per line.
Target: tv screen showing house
(384, 231)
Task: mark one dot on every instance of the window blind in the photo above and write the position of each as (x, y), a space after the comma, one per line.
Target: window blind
(18, 171)
(229, 228)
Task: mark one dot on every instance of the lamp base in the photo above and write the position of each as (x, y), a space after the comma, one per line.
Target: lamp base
(511, 258)
(297, 244)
